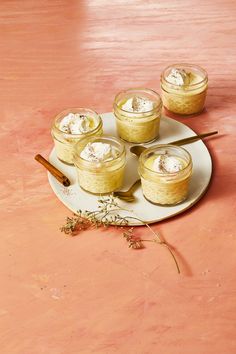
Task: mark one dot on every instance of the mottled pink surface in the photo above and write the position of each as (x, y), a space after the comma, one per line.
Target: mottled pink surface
(91, 294)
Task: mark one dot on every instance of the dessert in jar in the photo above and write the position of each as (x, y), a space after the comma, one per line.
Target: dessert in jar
(165, 172)
(100, 163)
(72, 125)
(184, 88)
(138, 113)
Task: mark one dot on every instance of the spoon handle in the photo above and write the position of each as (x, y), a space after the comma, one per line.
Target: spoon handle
(138, 149)
(134, 186)
(191, 139)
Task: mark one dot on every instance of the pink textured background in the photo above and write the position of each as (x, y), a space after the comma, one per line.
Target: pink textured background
(91, 294)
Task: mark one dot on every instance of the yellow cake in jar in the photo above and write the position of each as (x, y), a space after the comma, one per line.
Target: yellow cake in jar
(165, 172)
(72, 125)
(100, 164)
(184, 88)
(138, 114)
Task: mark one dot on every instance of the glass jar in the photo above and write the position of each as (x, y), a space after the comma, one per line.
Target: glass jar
(65, 142)
(165, 188)
(100, 177)
(188, 98)
(138, 127)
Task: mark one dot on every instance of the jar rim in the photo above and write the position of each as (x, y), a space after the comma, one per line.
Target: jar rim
(122, 151)
(70, 110)
(115, 105)
(205, 78)
(153, 149)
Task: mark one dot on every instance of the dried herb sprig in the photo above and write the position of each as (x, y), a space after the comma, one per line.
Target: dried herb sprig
(109, 214)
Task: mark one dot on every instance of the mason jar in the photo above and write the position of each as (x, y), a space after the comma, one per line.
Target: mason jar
(165, 188)
(65, 142)
(138, 127)
(100, 177)
(188, 98)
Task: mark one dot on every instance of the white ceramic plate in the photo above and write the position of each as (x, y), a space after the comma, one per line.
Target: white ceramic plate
(75, 198)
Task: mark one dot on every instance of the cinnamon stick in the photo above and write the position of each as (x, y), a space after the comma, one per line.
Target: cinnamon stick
(53, 170)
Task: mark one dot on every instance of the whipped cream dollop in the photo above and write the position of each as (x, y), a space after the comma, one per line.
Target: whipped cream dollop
(178, 77)
(167, 164)
(138, 104)
(99, 152)
(75, 123)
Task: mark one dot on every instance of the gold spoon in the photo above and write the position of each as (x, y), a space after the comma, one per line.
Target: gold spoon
(138, 149)
(128, 195)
